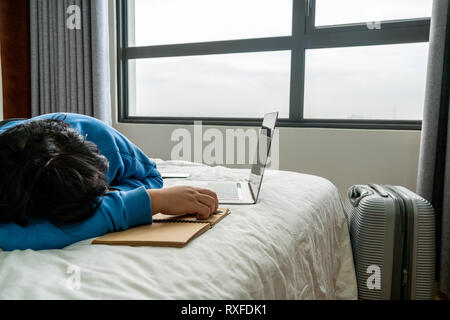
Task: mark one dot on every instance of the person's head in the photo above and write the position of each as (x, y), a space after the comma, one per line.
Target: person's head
(49, 171)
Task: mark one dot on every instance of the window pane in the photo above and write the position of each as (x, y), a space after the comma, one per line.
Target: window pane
(225, 85)
(375, 82)
(159, 22)
(332, 12)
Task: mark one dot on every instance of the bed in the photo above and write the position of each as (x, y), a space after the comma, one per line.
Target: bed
(293, 244)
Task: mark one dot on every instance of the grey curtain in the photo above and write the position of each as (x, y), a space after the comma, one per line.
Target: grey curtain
(434, 163)
(70, 62)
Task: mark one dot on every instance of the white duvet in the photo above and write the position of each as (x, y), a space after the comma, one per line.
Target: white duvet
(293, 244)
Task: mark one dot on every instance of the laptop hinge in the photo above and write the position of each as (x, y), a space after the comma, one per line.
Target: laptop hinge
(251, 191)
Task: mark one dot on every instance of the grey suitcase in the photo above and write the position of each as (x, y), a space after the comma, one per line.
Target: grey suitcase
(392, 232)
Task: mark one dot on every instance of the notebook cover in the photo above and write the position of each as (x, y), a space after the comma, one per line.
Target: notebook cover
(190, 218)
(157, 234)
(176, 233)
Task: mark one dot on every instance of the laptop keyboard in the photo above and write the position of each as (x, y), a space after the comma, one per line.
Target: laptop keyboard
(225, 191)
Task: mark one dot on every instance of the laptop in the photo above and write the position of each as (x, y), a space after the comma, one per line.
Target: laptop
(245, 192)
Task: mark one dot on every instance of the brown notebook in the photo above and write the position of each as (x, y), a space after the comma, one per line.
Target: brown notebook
(166, 231)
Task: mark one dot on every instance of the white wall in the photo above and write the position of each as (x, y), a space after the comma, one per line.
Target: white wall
(345, 157)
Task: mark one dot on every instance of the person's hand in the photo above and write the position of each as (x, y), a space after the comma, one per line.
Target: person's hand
(184, 200)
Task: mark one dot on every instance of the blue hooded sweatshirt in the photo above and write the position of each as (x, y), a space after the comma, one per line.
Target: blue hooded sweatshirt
(130, 171)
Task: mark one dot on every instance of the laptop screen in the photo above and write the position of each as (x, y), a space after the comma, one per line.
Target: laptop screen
(262, 153)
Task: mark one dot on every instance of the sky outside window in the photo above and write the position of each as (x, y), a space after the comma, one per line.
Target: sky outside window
(335, 12)
(373, 82)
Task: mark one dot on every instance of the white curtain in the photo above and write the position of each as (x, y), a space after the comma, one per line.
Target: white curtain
(70, 57)
(434, 164)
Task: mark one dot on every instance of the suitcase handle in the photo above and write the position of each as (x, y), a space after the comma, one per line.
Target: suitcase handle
(357, 193)
(381, 191)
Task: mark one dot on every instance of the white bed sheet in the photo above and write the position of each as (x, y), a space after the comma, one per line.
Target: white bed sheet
(293, 244)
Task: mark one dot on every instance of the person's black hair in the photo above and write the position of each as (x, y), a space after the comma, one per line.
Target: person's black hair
(49, 171)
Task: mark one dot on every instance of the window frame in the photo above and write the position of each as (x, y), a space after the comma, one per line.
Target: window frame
(304, 36)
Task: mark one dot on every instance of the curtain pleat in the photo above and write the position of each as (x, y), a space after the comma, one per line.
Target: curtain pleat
(66, 43)
(87, 62)
(70, 70)
(100, 49)
(434, 161)
(60, 56)
(34, 56)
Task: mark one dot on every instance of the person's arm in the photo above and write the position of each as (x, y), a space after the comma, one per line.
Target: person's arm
(129, 167)
(138, 180)
(117, 211)
(128, 172)
(184, 200)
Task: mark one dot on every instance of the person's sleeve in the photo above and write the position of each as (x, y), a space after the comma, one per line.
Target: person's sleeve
(117, 211)
(133, 170)
(129, 166)
(130, 171)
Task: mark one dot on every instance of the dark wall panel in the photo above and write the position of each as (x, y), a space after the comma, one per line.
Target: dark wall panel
(15, 58)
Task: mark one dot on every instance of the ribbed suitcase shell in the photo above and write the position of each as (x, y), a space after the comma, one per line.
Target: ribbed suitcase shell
(375, 216)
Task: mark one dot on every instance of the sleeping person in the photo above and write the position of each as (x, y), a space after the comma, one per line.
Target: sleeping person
(65, 178)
